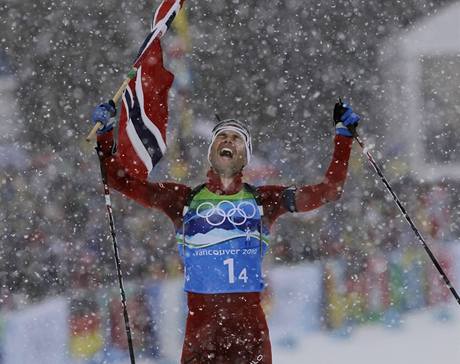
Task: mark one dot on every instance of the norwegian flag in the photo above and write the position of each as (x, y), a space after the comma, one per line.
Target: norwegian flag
(144, 113)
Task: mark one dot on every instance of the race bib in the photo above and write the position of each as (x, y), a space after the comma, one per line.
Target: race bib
(222, 243)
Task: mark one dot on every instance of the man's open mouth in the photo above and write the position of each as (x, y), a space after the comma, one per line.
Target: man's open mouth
(226, 152)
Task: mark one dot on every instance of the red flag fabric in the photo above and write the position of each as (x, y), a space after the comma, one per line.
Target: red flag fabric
(144, 112)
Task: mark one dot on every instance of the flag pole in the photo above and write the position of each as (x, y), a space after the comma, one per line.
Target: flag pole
(131, 74)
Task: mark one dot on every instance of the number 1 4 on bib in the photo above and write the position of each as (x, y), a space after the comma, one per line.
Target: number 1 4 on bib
(230, 262)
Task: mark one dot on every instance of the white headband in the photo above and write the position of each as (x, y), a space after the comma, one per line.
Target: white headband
(237, 127)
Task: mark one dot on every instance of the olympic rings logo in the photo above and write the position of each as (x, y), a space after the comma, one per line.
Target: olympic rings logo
(226, 210)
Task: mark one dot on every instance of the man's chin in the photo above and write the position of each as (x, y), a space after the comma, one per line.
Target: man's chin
(227, 169)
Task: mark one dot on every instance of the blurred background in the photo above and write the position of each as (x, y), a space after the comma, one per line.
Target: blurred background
(280, 65)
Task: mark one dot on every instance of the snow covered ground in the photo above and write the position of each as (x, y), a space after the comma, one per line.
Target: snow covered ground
(422, 339)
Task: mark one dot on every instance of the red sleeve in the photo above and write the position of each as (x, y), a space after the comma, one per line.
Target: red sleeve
(272, 201)
(312, 196)
(330, 189)
(168, 197)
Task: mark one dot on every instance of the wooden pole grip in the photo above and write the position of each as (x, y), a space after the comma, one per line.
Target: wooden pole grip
(93, 131)
(120, 91)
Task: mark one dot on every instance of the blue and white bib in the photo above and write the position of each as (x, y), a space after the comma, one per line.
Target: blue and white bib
(222, 243)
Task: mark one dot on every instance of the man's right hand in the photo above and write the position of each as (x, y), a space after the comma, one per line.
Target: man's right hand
(104, 113)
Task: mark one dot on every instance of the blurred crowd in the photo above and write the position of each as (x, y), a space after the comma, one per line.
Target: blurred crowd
(55, 235)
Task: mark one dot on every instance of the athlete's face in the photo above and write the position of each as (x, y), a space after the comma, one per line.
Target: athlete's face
(228, 153)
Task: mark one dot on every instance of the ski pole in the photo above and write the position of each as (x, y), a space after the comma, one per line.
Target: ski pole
(405, 214)
(131, 74)
(108, 204)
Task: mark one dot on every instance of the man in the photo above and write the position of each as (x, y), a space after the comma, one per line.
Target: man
(222, 231)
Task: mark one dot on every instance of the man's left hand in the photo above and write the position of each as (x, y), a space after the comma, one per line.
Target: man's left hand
(345, 119)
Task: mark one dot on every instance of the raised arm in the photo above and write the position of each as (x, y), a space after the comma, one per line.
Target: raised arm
(330, 189)
(280, 199)
(167, 197)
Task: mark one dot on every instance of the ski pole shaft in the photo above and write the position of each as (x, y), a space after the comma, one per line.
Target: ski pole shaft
(108, 204)
(407, 217)
(115, 99)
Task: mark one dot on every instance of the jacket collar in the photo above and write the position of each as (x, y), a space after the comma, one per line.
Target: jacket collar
(214, 183)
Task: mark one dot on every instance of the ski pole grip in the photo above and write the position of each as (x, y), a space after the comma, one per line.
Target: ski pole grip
(352, 129)
(116, 97)
(93, 131)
